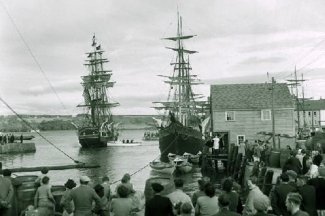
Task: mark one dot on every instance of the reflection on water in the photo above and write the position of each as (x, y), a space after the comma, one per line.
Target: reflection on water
(114, 161)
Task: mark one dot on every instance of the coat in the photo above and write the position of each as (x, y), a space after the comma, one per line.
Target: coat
(159, 206)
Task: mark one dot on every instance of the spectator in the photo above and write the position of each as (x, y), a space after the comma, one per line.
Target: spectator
(232, 196)
(293, 202)
(292, 178)
(200, 192)
(306, 157)
(223, 202)
(83, 197)
(44, 201)
(101, 209)
(69, 185)
(107, 187)
(254, 193)
(313, 171)
(279, 195)
(38, 181)
(292, 163)
(319, 184)
(207, 205)
(6, 194)
(186, 209)
(262, 205)
(126, 182)
(178, 196)
(308, 195)
(122, 206)
(158, 205)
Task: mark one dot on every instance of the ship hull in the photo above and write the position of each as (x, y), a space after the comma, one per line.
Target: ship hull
(178, 139)
(91, 138)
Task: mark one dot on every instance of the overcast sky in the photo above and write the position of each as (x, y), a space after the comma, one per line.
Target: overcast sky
(238, 41)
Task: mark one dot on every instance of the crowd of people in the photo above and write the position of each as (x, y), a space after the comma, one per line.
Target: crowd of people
(9, 138)
(299, 191)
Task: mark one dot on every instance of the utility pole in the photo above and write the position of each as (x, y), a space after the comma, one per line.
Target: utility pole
(303, 102)
(272, 115)
(296, 83)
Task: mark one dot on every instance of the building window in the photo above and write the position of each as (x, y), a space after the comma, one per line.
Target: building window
(240, 139)
(309, 113)
(230, 116)
(266, 114)
(314, 113)
(315, 122)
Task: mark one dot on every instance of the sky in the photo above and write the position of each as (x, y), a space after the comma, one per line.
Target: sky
(43, 45)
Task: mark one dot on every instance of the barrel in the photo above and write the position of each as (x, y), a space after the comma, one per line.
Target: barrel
(267, 184)
(57, 192)
(275, 159)
(166, 182)
(25, 191)
(284, 155)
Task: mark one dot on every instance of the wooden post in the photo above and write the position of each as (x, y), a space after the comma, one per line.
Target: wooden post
(272, 115)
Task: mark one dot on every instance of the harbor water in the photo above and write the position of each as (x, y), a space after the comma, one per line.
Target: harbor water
(114, 161)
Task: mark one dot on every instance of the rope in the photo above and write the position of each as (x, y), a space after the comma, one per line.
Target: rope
(31, 127)
(142, 168)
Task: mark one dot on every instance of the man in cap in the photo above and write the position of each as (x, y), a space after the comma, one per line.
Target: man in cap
(82, 197)
(293, 202)
(158, 205)
(279, 195)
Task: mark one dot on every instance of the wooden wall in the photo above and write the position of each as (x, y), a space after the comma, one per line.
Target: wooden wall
(249, 123)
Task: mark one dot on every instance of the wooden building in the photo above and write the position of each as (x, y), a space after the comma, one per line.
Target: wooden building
(311, 113)
(244, 111)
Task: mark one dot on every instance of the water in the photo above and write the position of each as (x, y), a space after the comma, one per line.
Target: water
(114, 161)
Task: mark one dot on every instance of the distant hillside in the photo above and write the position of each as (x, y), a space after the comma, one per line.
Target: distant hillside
(63, 122)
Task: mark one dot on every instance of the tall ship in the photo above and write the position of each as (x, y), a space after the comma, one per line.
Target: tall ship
(181, 128)
(97, 127)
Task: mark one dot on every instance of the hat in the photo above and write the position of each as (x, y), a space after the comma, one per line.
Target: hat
(157, 187)
(292, 174)
(262, 203)
(294, 197)
(84, 179)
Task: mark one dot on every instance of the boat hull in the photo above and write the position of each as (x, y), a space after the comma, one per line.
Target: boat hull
(162, 168)
(178, 139)
(91, 138)
(184, 168)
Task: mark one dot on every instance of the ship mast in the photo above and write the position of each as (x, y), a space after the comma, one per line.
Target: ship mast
(183, 104)
(95, 86)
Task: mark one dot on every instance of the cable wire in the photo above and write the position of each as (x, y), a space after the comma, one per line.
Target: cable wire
(32, 54)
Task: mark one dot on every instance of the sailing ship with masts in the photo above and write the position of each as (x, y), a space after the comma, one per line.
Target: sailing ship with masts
(181, 130)
(98, 126)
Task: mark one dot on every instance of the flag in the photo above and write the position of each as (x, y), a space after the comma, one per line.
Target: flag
(94, 41)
